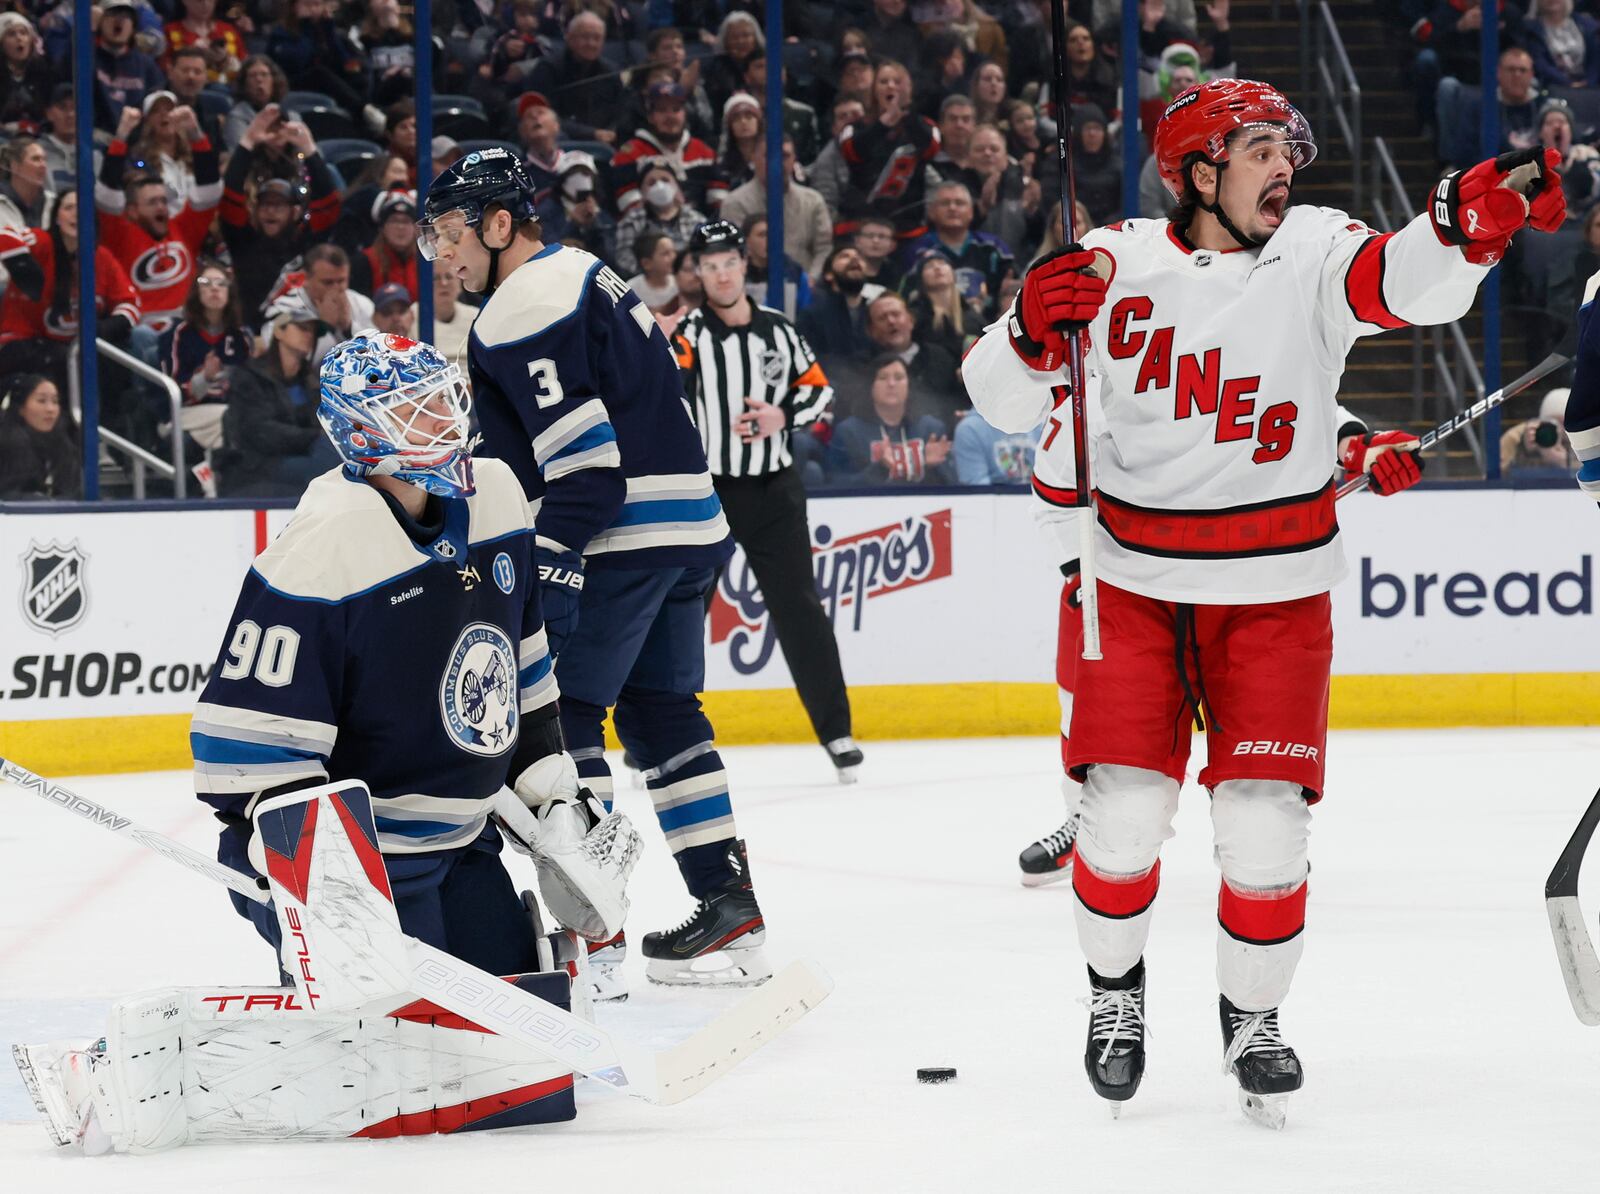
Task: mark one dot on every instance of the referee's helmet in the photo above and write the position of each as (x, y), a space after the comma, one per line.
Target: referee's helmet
(715, 236)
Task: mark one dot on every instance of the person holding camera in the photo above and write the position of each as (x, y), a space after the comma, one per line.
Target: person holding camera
(1540, 442)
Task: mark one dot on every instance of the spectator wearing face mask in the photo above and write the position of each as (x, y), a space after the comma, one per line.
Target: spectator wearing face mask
(663, 210)
(577, 218)
(265, 234)
(665, 139)
(39, 453)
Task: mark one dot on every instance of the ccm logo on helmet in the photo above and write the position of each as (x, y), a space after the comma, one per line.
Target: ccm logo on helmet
(1264, 746)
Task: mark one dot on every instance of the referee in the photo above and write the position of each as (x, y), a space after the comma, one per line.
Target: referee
(749, 377)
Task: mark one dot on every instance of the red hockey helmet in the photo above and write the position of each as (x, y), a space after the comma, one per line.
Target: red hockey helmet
(1204, 116)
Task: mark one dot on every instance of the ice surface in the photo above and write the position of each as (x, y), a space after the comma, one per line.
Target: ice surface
(1440, 1051)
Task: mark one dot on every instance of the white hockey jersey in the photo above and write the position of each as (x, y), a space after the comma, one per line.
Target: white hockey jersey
(1213, 396)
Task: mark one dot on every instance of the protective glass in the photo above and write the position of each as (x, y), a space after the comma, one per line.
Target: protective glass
(430, 236)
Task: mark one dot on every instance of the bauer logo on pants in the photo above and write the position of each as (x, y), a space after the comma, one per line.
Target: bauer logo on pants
(54, 599)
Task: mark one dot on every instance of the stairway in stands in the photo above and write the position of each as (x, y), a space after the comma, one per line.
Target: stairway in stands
(1378, 382)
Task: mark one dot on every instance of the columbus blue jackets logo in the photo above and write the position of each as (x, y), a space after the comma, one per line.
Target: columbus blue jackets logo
(478, 695)
(53, 595)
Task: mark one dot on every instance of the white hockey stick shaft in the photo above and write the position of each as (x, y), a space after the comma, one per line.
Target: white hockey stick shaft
(663, 1077)
(1474, 412)
(1088, 585)
(105, 818)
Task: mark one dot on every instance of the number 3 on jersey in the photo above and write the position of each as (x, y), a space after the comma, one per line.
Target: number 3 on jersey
(547, 389)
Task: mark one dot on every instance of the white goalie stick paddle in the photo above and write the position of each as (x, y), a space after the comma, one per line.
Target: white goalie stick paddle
(1574, 947)
(1476, 411)
(657, 1076)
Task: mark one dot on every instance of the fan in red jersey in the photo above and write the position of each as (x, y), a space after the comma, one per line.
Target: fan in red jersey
(1217, 338)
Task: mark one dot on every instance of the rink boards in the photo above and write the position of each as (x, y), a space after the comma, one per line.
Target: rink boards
(1462, 607)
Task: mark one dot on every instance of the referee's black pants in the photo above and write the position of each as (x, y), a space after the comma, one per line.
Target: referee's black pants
(767, 515)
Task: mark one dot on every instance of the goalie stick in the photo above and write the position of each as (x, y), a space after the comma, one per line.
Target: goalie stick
(1476, 411)
(1580, 968)
(662, 1077)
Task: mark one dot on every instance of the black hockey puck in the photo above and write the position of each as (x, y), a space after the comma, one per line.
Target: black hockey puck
(936, 1073)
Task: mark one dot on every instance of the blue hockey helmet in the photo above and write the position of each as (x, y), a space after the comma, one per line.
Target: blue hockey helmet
(489, 177)
(394, 407)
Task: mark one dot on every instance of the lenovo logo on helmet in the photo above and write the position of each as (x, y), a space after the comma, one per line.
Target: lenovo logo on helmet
(1183, 101)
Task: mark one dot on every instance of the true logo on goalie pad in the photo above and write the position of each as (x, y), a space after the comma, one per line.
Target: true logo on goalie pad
(478, 694)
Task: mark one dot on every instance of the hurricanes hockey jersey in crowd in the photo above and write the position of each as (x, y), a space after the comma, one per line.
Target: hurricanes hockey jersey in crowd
(355, 652)
(576, 388)
(1583, 404)
(1218, 374)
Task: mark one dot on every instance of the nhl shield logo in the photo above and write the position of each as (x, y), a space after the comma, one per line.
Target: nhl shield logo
(54, 599)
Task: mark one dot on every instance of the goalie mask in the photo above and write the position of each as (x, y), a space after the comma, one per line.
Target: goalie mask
(394, 407)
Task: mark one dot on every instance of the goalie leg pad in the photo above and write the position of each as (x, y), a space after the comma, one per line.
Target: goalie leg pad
(195, 1065)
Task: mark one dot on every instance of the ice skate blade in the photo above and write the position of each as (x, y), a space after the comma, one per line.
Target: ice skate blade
(1268, 1111)
(1047, 878)
(849, 775)
(1116, 1109)
(607, 983)
(724, 968)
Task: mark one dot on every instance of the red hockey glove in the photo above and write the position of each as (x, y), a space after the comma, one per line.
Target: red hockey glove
(1058, 298)
(1390, 458)
(1480, 209)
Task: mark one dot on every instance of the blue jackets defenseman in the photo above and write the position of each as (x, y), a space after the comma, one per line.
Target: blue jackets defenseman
(576, 388)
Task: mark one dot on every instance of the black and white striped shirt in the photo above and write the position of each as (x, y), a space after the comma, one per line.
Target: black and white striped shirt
(765, 359)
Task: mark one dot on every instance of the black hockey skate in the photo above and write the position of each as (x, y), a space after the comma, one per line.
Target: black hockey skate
(1267, 1069)
(1114, 1056)
(846, 757)
(719, 945)
(1049, 860)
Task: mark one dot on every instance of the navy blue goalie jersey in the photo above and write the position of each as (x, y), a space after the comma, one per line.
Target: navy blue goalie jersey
(577, 390)
(356, 653)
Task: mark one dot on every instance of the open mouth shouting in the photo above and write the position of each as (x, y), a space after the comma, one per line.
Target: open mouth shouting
(1274, 202)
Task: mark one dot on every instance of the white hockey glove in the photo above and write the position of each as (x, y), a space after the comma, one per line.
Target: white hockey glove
(583, 854)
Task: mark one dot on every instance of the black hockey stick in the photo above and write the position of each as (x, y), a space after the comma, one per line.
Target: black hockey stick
(1476, 411)
(1574, 948)
(1088, 591)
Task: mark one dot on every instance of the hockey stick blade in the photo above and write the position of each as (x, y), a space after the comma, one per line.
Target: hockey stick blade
(1471, 414)
(1580, 967)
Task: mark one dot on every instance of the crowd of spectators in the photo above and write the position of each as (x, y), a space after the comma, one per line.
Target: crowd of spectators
(1547, 89)
(255, 178)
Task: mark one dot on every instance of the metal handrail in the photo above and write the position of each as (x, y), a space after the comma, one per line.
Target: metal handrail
(1332, 93)
(173, 470)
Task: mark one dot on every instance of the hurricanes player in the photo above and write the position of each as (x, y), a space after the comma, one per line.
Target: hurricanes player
(1217, 340)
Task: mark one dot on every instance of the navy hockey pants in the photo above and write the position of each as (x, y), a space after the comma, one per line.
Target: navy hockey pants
(639, 648)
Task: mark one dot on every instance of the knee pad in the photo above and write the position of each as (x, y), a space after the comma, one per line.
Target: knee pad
(1126, 814)
(1262, 827)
